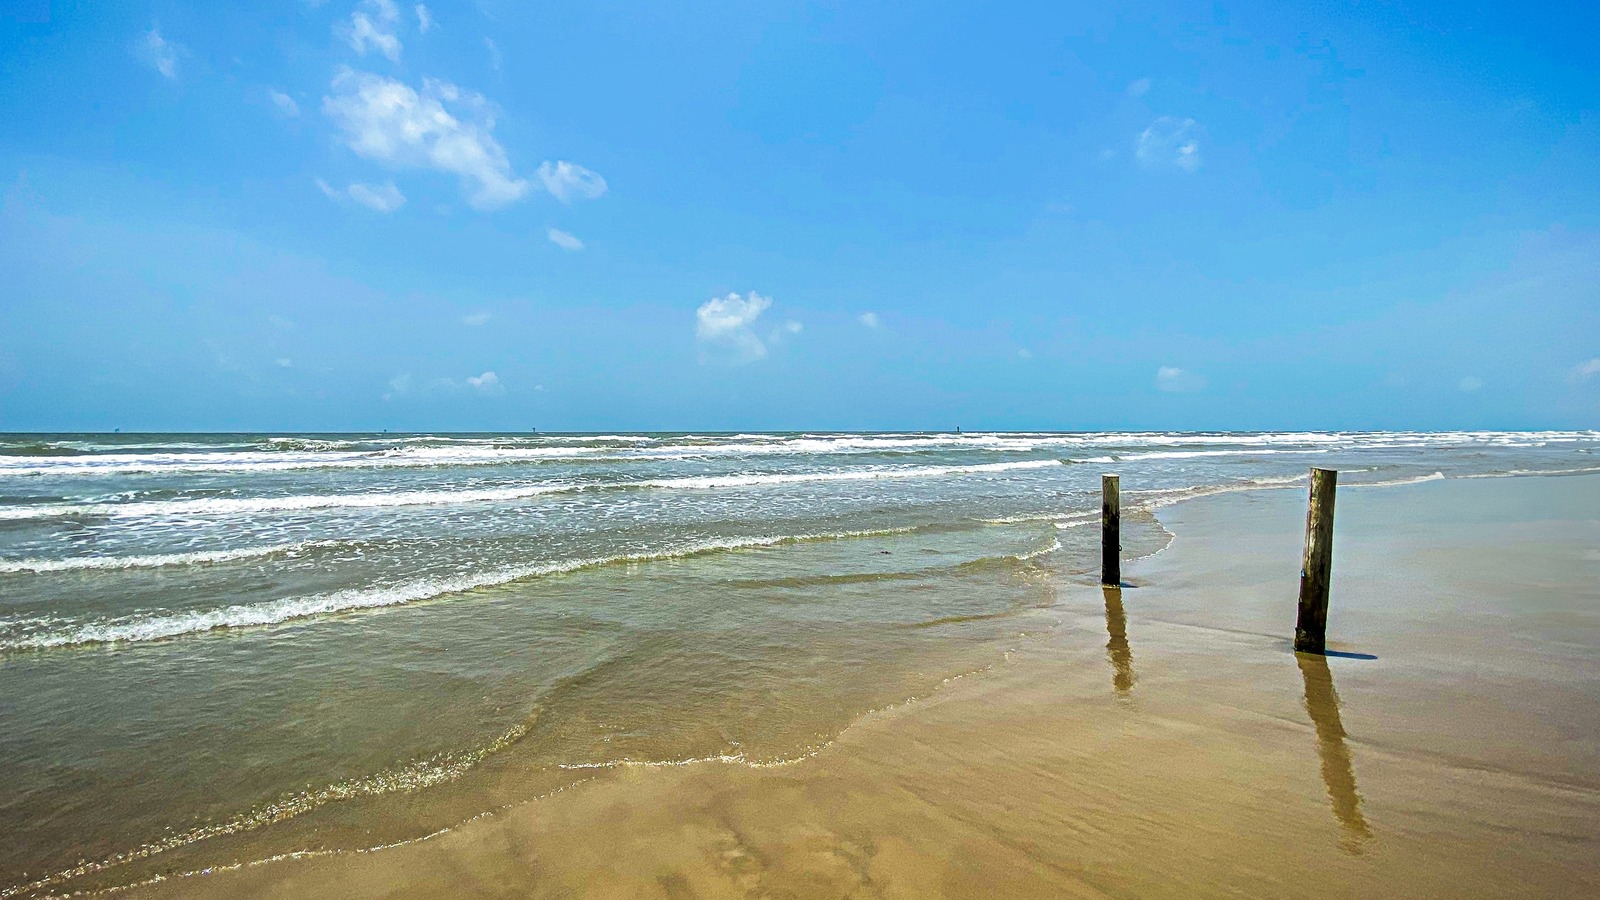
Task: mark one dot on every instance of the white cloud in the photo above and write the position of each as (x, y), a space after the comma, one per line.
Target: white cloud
(382, 198)
(487, 383)
(570, 181)
(424, 19)
(564, 240)
(1174, 380)
(1586, 370)
(160, 53)
(1024, 353)
(1169, 141)
(724, 327)
(495, 59)
(869, 319)
(372, 27)
(388, 122)
(1470, 383)
(285, 362)
(1139, 88)
(284, 103)
(477, 319)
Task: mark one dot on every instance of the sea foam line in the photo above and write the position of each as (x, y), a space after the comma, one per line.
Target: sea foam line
(719, 481)
(1168, 496)
(232, 505)
(274, 612)
(225, 506)
(290, 453)
(156, 560)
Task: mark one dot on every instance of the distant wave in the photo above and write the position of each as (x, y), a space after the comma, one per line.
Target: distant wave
(1396, 482)
(1155, 499)
(36, 448)
(721, 481)
(158, 560)
(290, 453)
(1517, 473)
(1196, 454)
(273, 612)
(227, 505)
(223, 506)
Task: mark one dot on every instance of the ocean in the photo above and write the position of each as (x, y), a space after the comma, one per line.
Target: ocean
(223, 648)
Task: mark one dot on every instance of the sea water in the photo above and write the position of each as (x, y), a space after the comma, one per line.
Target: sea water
(219, 648)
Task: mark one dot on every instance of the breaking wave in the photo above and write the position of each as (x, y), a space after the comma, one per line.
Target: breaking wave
(273, 612)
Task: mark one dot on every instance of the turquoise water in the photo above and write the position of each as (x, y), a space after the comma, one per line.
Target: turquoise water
(214, 648)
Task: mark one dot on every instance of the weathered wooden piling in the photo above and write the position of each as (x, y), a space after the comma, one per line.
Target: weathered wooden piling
(1110, 530)
(1316, 570)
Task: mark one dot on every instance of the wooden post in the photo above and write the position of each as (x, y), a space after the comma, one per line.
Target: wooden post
(1316, 571)
(1110, 531)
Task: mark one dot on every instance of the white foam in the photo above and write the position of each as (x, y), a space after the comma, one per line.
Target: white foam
(721, 481)
(1518, 473)
(273, 612)
(155, 561)
(290, 453)
(231, 505)
(1415, 479)
(1166, 497)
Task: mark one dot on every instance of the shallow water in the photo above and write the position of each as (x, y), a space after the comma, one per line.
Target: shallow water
(229, 646)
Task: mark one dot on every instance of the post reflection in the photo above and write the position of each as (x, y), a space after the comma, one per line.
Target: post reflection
(1322, 704)
(1117, 649)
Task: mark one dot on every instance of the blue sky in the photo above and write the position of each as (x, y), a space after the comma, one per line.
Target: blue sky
(366, 215)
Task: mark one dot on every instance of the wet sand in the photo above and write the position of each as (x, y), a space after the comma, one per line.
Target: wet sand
(1163, 740)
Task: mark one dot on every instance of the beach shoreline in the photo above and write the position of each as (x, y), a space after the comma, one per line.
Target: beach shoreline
(1430, 754)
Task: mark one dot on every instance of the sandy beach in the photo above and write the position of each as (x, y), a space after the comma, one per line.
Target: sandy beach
(1162, 740)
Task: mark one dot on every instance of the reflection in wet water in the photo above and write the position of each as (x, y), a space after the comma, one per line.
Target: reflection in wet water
(1322, 704)
(1117, 649)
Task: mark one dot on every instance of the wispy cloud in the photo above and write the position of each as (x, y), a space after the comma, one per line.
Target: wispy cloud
(424, 19)
(488, 384)
(373, 26)
(1174, 380)
(495, 58)
(785, 330)
(724, 327)
(1139, 88)
(1470, 384)
(1169, 142)
(284, 103)
(1586, 370)
(477, 319)
(399, 386)
(382, 198)
(569, 181)
(160, 53)
(388, 122)
(565, 240)
(869, 319)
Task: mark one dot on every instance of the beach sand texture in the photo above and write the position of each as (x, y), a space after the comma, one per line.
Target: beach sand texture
(1162, 741)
